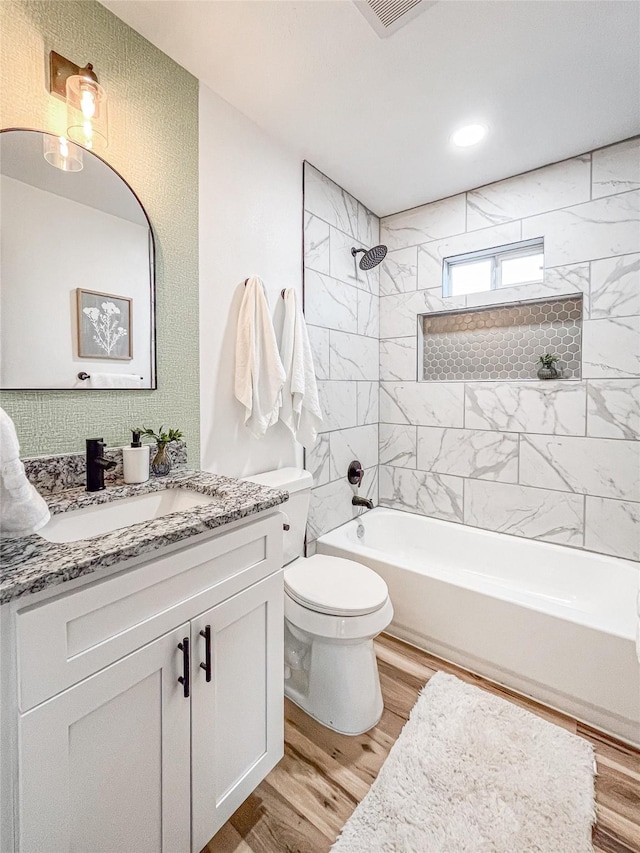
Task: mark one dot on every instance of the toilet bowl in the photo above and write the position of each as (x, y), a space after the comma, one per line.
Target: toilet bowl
(333, 610)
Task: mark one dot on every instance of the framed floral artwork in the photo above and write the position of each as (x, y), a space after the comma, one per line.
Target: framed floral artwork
(104, 325)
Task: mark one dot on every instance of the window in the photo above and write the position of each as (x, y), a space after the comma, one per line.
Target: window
(491, 269)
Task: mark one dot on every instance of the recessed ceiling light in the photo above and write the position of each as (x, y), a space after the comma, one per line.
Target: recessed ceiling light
(470, 134)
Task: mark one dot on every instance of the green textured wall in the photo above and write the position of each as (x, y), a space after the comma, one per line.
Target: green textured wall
(153, 130)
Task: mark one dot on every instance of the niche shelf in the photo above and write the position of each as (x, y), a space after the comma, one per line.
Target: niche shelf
(502, 342)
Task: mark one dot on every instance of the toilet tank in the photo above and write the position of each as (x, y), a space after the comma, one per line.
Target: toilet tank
(298, 483)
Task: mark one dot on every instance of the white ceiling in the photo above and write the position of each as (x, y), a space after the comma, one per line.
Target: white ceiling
(551, 78)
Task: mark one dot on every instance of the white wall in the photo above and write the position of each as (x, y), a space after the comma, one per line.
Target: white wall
(250, 224)
(51, 245)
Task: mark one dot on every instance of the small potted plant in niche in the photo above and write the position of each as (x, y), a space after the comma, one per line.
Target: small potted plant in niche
(548, 369)
(161, 464)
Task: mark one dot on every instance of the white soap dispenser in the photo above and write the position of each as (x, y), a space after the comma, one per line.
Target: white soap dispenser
(136, 460)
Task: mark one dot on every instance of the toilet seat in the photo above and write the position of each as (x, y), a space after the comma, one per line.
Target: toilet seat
(335, 586)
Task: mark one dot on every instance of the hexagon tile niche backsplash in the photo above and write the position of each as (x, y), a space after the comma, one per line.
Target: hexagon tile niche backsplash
(502, 342)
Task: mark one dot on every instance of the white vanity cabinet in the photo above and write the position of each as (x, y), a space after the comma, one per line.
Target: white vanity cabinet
(136, 742)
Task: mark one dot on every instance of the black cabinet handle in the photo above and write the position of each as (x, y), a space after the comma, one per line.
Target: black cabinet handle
(184, 679)
(207, 652)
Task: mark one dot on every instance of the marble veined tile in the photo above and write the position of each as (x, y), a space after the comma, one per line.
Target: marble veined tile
(338, 403)
(329, 507)
(435, 495)
(422, 403)
(613, 408)
(425, 223)
(549, 188)
(368, 226)
(399, 271)
(553, 407)
(398, 359)
(368, 314)
(596, 229)
(613, 527)
(345, 267)
(316, 243)
(431, 255)
(327, 200)
(480, 454)
(347, 445)
(398, 445)
(353, 357)
(616, 169)
(558, 281)
(521, 511)
(399, 313)
(611, 348)
(317, 460)
(603, 467)
(330, 303)
(368, 394)
(319, 342)
(615, 287)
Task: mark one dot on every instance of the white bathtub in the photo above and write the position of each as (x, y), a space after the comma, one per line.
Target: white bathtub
(554, 623)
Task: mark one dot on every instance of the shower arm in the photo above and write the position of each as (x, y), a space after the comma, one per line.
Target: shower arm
(355, 251)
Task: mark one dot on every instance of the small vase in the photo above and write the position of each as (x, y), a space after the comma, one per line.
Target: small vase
(161, 464)
(548, 371)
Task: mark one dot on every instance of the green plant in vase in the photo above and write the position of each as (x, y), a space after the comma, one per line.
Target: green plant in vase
(548, 369)
(161, 463)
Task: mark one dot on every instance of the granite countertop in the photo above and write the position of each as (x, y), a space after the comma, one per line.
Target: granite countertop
(31, 563)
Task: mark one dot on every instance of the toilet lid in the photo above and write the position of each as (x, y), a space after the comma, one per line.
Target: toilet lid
(335, 586)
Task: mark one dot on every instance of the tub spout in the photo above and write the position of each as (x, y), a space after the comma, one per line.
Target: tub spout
(356, 500)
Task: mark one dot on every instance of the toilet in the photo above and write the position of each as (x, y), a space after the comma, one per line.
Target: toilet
(333, 610)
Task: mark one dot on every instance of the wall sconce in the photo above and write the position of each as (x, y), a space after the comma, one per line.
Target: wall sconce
(86, 100)
(61, 153)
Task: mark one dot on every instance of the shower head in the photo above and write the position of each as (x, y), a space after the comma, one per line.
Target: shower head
(370, 257)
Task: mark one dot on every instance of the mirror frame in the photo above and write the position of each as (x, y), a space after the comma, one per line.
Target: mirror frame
(153, 355)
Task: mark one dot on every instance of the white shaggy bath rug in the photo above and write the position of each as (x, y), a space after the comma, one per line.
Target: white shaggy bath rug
(472, 773)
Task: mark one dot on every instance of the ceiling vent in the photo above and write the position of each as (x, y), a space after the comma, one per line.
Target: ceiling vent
(388, 16)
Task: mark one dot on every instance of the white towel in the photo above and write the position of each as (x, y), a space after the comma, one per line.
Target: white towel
(300, 404)
(22, 509)
(259, 371)
(114, 380)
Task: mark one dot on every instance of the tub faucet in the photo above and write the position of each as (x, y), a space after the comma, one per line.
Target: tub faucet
(97, 464)
(356, 500)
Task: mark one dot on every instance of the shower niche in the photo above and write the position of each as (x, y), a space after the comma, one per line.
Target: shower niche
(501, 342)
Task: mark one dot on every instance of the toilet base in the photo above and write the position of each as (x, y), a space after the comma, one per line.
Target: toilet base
(339, 685)
(332, 728)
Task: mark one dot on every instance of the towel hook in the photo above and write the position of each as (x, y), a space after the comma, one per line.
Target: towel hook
(282, 292)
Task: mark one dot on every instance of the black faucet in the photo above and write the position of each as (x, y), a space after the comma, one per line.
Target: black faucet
(96, 464)
(356, 500)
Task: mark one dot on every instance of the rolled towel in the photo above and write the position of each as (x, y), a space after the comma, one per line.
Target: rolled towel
(22, 510)
(114, 380)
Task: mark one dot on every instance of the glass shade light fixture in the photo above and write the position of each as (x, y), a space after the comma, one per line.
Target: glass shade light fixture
(61, 153)
(87, 112)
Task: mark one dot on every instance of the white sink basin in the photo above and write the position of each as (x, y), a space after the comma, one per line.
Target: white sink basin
(104, 518)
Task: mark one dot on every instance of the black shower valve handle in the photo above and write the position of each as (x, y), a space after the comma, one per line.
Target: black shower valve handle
(355, 473)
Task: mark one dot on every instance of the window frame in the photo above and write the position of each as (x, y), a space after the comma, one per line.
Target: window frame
(496, 255)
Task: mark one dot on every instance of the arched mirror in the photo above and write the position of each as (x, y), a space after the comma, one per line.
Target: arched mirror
(77, 291)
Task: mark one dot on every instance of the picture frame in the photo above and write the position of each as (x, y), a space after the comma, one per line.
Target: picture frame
(104, 325)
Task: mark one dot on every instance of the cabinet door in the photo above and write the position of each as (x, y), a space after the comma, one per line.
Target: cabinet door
(104, 766)
(237, 729)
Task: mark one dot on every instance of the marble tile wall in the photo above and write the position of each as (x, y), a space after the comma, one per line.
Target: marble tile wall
(557, 461)
(342, 312)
